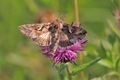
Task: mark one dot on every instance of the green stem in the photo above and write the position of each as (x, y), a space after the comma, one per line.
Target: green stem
(68, 72)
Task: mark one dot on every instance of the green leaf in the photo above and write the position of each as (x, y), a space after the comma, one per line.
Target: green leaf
(62, 67)
(117, 63)
(105, 63)
(116, 3)
(84, 66)
(111, 39)
(114, 28)
(65, 78)
(103, 54)
(101, 51)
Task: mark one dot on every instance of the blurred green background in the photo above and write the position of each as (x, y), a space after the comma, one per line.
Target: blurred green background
(21, 59)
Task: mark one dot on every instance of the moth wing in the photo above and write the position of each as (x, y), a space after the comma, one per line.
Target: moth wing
(80, 33)
(71, 34)
(38, 32)
(77, 33)
(64, 40)
(31, 30)
(43, 39)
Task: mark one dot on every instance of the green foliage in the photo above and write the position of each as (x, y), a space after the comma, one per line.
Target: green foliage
(83, 66)
(62, 67)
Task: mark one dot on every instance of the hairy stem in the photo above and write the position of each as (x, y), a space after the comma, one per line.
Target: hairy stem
(68, 72)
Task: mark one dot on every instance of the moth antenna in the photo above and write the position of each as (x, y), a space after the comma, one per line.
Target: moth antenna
(63, 19)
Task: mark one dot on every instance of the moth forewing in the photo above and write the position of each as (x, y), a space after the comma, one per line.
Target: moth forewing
(38, 32)
(29, 30)
(43, 39)
(25, 30)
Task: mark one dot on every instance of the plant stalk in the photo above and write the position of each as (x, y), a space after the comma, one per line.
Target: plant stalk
(68, 72)
(77, 21)
(76, 11)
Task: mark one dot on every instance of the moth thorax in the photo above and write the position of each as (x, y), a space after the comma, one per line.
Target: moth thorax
(61, 25)
(58, 26)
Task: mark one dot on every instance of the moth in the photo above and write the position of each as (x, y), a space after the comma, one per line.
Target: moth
(54, 34)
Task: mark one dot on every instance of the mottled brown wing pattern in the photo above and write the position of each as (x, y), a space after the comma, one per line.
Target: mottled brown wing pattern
(53, 34)
(78, 33)
(38, 32)
(64, 40)
(70, 34)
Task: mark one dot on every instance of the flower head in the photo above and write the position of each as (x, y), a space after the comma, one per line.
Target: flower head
(46, 50)
(68, 54)
(65, 54)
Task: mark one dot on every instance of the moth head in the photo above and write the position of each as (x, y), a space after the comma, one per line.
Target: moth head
(57, 24)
